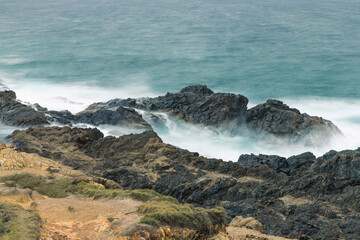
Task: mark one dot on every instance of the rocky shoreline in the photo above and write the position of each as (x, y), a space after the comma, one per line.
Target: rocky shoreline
(301, 197)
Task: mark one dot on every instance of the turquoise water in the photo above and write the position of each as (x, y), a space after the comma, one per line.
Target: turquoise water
(68, 54)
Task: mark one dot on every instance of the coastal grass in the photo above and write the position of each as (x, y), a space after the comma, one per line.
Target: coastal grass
(159, 213)
(18, 223)
(51, 187)
(143, 195)
(62, 187)
(157, 209)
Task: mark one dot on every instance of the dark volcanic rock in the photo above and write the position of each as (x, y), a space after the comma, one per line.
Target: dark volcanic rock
(121, 116)
(61, 144)
(275, 162)
(319, 198)
(62, 117)
(196, 104)
(15, 113)
(277, 118)
(8, 93)
(199, 104)
(293, 165)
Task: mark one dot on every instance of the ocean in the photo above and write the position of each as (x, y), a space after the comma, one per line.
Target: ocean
(68, 54)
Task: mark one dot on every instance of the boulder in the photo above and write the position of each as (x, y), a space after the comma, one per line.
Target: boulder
(8, 94)
(14, 113)
(278, 119)
(121, 116)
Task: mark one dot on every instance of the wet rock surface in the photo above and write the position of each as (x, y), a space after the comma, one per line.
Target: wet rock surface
(14, 113)
(122, 116)
(199, 104)
(226, 112)
(298, 197)
(279, 119)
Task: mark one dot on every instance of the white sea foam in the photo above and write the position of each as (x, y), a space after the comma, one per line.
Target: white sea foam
(345, 113)
(74, 97)
(215, 143)
(12, 60)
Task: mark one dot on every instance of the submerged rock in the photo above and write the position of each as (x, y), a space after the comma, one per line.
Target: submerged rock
(318, 198)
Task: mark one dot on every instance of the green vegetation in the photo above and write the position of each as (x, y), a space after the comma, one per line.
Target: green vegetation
(55, 188)
(182, 215)
(60, 188)
(143, 195)
(18, 223)
(157, 208)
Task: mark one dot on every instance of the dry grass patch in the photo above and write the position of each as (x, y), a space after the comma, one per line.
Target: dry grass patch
(17, 223)
(157, 209)
(290, 200)
(159, 213)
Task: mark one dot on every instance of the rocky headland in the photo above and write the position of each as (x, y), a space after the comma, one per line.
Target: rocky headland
(302, 197)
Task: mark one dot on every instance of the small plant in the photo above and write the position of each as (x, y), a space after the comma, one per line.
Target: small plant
(158, 213)
(56, 188)
(18, 223)
(111, 219)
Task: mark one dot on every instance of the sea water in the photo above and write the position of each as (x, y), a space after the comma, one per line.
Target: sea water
(68, 54)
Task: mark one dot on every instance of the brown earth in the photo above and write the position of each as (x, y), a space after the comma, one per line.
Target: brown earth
(85, 218)
(72, 217)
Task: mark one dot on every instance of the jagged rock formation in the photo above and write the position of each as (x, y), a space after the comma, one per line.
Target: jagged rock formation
(127, 117)
(199, 104)
(277, 118)
(196, 104)
(301, 196)
(294, 165)
(14, 113)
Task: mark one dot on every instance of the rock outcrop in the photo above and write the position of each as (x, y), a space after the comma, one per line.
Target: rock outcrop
(276, 118)
(71, 205)
(298, 197)
(294, 165)
(126, 117)
(198, 104)
(14, 113)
